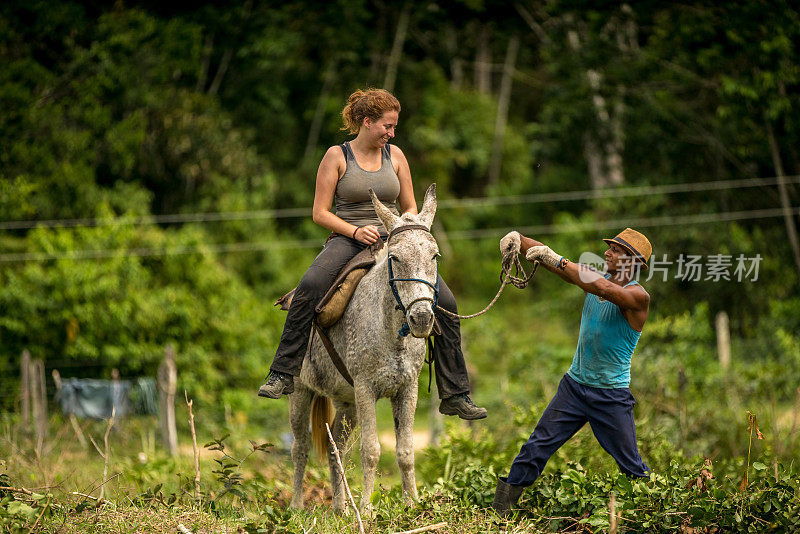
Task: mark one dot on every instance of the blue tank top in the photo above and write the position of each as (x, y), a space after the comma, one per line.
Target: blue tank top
(605, 345)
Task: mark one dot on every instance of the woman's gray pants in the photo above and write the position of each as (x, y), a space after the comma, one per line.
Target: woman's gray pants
(451, 370)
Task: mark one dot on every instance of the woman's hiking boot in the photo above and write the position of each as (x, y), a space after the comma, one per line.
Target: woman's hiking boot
(462, 406)
(277, 384)
(506, 496)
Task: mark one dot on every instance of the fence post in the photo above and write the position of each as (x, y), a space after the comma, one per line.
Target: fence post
(723, 339)
(167, 384)
(39, 397)
(25, 393)
(72, 419)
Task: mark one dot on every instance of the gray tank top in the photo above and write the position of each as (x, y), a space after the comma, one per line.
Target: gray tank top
(353, 203)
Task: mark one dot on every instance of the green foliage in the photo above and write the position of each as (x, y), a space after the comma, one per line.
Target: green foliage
(229, 470)
(21, 508)
(122, 309)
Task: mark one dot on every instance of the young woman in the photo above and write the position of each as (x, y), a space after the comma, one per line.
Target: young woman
(345, 175)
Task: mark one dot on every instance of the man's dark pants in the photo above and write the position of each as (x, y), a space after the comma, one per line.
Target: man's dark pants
(608, 411)
(451, 371)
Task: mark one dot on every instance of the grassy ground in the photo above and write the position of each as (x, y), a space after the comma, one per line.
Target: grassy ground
(691, 416)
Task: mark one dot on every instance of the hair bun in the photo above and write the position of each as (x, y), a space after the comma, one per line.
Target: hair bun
(370, 102)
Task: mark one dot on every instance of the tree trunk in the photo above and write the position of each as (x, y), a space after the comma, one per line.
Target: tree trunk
(532, 24)
(319, 112)
(502, 110)
(228, 54)
(604, 159)
(788, 218)
(456, 65)
(207, 49)
(223, 67)
(483, 62)
(397, 48)
(594, 161)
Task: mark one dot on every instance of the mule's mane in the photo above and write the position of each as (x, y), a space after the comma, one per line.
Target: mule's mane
(381, 255)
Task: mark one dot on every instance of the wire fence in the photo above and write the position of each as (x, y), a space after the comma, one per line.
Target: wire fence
(475, 234)
(562, 196)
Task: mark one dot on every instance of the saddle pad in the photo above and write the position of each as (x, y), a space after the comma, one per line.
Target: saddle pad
(333, 304)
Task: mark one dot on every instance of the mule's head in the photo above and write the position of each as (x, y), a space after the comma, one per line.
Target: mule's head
(413, 255)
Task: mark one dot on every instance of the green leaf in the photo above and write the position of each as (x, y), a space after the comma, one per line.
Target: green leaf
(758, 466)
(21, 509)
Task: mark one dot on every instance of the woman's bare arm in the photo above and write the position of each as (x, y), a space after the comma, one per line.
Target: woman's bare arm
(331, 168)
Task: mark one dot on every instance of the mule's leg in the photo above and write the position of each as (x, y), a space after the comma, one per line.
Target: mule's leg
(299, 413)
(403, 406)
(370, 446)
(342, 426)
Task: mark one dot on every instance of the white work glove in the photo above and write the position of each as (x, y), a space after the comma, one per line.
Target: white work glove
(509, 244)
(545, 255)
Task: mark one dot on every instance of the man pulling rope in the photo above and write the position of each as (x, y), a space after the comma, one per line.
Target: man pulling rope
(595, 389)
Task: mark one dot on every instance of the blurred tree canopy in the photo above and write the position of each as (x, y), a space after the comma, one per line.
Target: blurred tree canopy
(132, 113)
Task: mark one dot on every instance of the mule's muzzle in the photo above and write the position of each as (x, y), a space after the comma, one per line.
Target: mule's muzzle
(420, 318)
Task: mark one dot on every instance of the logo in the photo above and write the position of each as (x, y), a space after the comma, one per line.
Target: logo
(590, 266)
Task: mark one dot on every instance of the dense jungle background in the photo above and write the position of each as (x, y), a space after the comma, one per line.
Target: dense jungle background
(157, 168)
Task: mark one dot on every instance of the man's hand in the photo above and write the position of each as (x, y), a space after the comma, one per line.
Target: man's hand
(545, 255)
(510, 244)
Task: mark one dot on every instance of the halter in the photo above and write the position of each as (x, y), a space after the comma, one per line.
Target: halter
(404, 328)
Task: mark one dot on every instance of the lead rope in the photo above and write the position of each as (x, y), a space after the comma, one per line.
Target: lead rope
(519, 280)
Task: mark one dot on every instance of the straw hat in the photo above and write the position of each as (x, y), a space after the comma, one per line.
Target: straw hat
(635, 243)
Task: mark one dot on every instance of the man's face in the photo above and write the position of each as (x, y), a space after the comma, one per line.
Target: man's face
(617, 258)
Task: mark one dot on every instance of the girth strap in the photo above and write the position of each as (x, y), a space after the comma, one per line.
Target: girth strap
(335, 358)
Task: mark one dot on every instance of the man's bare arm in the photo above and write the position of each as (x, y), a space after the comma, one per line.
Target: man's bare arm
(527, 242)
(590, 280)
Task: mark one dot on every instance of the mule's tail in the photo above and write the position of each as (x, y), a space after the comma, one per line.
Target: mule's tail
(321, 413)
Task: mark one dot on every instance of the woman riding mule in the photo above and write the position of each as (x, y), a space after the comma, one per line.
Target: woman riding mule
(400, 289)
(345, 175)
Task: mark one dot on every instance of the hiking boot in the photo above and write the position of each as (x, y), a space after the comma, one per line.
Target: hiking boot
(277, 384)
(506, 497)
(462, 406)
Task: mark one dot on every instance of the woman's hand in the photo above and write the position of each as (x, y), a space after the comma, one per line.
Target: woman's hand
(367, 234)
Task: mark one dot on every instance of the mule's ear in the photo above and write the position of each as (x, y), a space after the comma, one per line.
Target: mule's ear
(428, 206)
(389, 219)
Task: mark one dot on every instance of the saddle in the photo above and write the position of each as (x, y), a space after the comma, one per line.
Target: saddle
(331, 308)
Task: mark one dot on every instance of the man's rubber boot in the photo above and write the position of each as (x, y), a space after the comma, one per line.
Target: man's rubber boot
(462, 406)
(277, 384)
(506, 497)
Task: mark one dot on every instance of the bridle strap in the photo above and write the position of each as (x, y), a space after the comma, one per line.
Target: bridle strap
(404, 328)
(404, 228)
